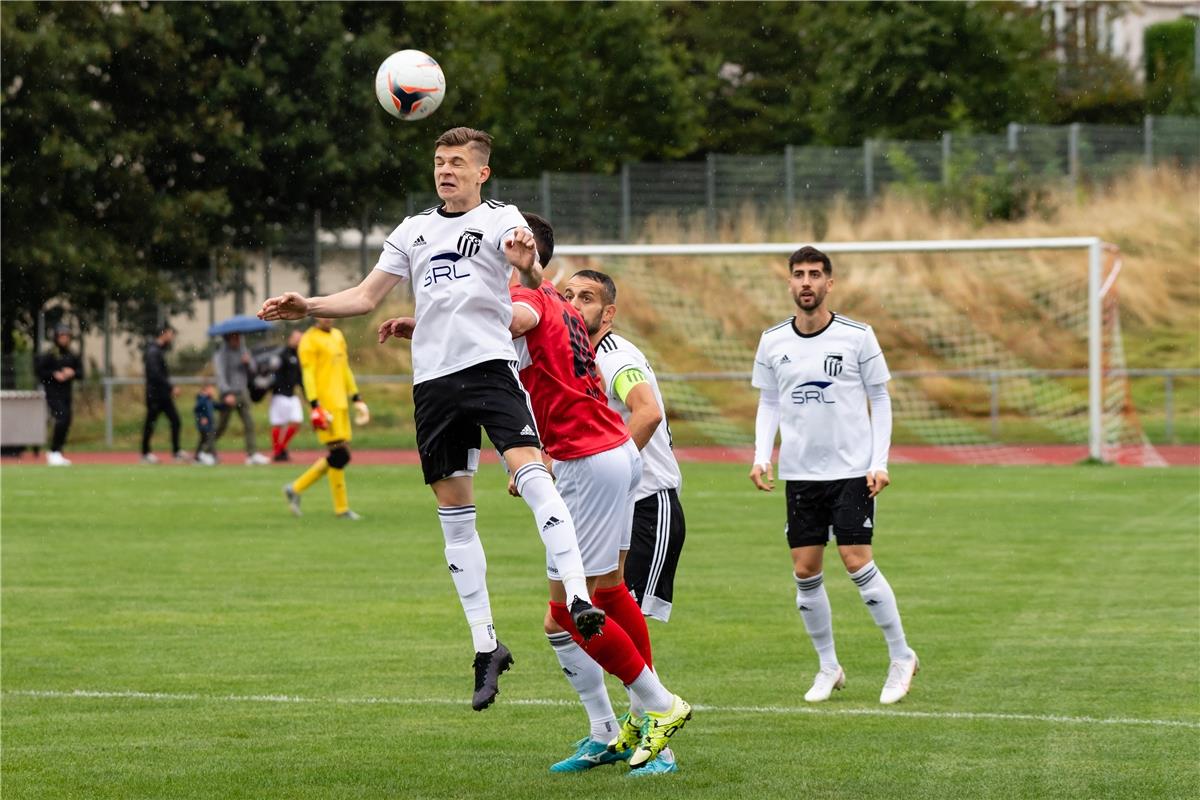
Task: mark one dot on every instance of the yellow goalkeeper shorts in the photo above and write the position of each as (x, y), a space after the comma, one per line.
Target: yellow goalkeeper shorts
(339, 427)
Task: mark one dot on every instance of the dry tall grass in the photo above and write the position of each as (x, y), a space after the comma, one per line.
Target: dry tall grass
(1153, 217)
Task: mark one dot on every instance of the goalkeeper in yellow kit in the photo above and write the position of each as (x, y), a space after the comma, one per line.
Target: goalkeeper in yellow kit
(330, 388)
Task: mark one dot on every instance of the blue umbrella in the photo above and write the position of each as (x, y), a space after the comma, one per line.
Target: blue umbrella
(241, 323)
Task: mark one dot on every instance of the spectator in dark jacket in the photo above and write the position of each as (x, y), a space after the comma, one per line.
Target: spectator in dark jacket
(57, 370)
(160, 395)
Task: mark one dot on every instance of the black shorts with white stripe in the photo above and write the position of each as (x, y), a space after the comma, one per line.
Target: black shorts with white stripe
(654, 548)
(449, 412)
(819, 510)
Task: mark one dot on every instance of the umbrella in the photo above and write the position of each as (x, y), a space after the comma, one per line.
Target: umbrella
(241, 323)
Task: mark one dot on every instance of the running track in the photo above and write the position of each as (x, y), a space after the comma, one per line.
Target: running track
(1011, 455)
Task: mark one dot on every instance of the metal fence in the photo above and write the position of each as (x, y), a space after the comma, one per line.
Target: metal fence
(608, 208)
(993, 378)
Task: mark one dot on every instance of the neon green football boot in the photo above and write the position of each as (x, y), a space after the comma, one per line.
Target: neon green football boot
(629, 734)
(658, 730)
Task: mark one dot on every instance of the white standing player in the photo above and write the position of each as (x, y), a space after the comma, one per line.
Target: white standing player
(816, 373)
(459, 257)
(632, 390)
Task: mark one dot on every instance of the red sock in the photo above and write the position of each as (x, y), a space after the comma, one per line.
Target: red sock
(276, 433)
(617, 603)
(611, 648)
(287, 436)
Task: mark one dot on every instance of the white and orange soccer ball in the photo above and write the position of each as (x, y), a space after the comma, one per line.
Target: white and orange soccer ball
(410, 85)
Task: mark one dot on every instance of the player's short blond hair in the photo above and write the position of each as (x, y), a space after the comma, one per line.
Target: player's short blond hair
(459, 137)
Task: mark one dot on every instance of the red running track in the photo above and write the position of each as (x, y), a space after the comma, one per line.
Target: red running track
(1011, 455)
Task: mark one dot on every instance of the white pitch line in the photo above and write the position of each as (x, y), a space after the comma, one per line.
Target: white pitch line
(442, 701)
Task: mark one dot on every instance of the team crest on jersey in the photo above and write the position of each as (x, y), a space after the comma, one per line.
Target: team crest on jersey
(833, 364)
(470, 241)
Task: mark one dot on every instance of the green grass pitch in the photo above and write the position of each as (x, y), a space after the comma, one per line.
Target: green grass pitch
(221, 648)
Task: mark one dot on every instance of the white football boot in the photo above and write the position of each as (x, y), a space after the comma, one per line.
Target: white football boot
(899, 679)
(824, 684)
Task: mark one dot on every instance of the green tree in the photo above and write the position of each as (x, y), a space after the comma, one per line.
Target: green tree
(1173, 68)
(913, 70)
(576, 86)
(105, 192)
(753, 65)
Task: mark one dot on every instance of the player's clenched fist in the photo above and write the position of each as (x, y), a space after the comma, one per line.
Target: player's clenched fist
(289, 305)
(520, 249)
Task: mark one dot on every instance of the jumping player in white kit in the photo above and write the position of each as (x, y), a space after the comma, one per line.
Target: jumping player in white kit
(458, 257)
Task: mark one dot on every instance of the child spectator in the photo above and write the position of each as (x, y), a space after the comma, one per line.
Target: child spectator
(205, 412)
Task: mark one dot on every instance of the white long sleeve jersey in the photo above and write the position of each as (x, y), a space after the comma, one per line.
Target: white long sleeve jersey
(821, 381)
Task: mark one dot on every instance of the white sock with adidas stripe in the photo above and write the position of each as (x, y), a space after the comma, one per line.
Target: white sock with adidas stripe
(812, 601)
(555, 525)
(877, 593)
(468, 569)
(587, 679)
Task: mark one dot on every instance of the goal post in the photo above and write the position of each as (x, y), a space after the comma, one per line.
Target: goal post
(1084, 317)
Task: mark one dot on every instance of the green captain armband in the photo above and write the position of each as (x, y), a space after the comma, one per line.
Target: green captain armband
(627, 379)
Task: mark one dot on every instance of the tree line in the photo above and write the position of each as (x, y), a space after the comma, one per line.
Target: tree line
(138, 139)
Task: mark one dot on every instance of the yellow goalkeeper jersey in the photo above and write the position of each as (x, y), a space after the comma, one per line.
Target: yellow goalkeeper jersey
(325, 366)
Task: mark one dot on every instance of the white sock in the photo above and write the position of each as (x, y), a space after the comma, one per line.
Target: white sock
(587, 679)
(881, 602)
(636, 709)
(468, 568)
(649, 689)
(813, 604)
(556, 526)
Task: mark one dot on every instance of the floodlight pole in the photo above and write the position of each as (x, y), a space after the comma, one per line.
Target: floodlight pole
(1095, 349)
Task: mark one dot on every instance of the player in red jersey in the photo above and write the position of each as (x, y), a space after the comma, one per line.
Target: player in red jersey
(597, 467)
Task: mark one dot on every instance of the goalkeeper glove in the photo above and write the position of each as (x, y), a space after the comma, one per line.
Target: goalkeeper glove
(320, 418)
(362, 414)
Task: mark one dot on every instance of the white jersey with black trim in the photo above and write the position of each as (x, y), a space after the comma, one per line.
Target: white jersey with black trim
(459, 275)
(821, 378)
(614, 355)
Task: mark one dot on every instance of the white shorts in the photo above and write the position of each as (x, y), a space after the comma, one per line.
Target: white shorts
(285, 409)
(600, 491)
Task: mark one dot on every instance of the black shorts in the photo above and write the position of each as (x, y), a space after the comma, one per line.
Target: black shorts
(450, 410)
(654, 547)
(818, 509)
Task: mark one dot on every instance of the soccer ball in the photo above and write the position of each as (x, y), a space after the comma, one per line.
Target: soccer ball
(410, 85)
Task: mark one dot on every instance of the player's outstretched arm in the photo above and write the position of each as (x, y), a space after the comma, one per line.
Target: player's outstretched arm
(521, 251)
(352, 302)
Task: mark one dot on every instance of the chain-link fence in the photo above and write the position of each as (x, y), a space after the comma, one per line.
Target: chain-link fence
(614, 208)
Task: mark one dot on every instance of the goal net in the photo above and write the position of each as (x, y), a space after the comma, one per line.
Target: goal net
(1001, 351)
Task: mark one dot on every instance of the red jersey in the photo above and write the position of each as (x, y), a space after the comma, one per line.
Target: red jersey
(558, 369)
